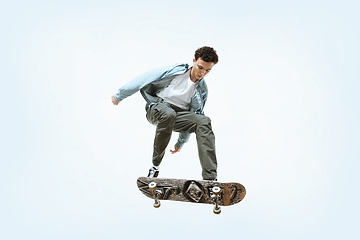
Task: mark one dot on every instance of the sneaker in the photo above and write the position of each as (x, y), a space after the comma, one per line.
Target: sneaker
(153, 172)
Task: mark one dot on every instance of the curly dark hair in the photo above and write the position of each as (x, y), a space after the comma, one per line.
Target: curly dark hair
(208, 54)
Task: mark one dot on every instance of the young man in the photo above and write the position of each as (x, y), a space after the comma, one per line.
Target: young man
(175, 98)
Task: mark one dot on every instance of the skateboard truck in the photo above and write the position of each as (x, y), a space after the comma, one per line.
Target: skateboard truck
(216, 190)
(156, 193)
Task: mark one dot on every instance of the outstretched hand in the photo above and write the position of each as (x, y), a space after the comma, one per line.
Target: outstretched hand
(114, 100)
(176, 149)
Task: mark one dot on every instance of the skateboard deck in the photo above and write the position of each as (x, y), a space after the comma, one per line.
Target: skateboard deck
(196, 191)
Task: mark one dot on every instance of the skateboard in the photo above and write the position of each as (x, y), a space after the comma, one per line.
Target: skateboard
(196, 191)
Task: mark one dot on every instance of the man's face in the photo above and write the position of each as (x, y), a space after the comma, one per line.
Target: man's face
(200, 69)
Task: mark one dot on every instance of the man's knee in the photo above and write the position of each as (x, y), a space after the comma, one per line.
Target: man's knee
(160, 113)
(203, 126)
(167, 114)
(205, 121)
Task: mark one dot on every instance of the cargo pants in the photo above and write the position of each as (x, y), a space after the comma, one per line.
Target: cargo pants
(168, 118)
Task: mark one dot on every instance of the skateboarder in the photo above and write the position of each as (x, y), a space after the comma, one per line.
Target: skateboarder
(175, 98)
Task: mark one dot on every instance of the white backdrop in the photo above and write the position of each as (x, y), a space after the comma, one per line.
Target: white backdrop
(282, 99)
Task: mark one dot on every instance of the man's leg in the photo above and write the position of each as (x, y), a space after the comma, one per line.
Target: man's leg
(163, 116)
(201, 125)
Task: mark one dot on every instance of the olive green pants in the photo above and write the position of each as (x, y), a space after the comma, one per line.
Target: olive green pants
(169, 118)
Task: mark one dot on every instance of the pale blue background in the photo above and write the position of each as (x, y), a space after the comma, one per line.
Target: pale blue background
(283, 101)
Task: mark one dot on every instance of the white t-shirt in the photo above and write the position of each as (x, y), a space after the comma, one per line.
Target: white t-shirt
(180, 91)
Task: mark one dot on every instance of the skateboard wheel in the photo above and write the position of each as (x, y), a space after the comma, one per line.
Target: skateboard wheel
(217, 210)
(152, 185)
(157, 204)
(216, 190)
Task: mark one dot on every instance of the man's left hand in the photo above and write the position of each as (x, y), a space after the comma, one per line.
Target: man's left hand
(176, 149)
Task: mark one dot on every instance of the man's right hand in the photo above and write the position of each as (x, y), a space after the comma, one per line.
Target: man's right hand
(114, 100)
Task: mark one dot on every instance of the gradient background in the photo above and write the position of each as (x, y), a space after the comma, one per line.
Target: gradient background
(283, 100)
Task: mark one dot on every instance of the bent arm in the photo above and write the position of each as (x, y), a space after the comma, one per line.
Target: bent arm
(139, 82)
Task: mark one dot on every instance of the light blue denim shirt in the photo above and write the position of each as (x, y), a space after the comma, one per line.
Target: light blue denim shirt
(150, 83)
